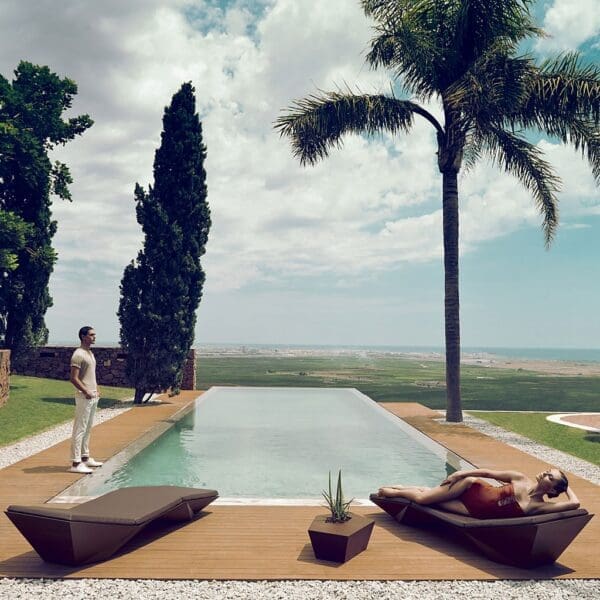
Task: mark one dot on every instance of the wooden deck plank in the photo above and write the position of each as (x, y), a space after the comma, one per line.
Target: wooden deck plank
(271, 542)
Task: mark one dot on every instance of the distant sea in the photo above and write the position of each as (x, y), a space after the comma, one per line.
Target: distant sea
(563, 354)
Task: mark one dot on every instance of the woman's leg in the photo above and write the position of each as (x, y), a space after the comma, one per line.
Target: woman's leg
(436, 495)
(454, 506)
(391, 491)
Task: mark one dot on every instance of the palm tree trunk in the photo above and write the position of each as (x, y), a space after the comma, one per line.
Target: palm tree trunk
(451, 300)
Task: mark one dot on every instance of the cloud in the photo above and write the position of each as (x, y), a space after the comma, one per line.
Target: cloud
(570, 23)
(369, 207)
(496, 204)
(576, 226)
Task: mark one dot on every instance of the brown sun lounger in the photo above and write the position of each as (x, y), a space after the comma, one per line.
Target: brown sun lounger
(528, 541)
(95, 530)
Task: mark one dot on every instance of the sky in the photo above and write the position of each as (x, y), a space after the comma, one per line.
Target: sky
(348, 252)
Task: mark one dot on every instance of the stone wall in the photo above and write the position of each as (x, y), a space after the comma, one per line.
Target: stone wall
(4, 373)
(54, 362)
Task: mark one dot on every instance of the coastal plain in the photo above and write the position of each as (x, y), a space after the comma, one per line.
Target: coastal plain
(488, 382)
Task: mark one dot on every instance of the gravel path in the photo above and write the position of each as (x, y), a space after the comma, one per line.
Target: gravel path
(117, 589)
(85, 589)
(562, 460)
(32, 445)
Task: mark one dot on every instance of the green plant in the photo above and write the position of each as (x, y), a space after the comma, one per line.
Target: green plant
(337, 506)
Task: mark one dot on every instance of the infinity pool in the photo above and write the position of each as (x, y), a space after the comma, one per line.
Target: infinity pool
(278, 443)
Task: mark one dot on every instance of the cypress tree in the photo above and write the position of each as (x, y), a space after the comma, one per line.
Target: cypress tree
(31, 125)
(162, 288)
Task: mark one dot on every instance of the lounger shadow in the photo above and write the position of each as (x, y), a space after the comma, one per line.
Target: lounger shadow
(520, 541)
(95, 530)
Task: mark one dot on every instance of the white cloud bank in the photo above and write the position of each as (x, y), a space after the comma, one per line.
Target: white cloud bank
(570, 23)
(369, 207)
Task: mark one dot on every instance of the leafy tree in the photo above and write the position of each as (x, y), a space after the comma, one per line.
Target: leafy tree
(462, 54)
(31, 125)
(14, 233)
(161, 290)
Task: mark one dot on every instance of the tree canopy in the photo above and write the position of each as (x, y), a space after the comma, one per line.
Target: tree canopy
(31, 124)
(162, 288)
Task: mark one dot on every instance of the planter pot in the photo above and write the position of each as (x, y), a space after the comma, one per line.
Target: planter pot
(339, 542)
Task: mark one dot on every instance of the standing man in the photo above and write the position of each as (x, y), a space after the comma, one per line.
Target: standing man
(83, 377)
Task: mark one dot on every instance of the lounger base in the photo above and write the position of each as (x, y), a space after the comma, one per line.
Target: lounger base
(95, 530)
(524, 542)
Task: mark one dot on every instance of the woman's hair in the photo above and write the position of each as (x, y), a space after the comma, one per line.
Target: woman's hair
(560, 486)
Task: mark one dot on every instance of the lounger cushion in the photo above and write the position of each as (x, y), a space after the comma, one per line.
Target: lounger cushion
(125, 506)
(472, 522)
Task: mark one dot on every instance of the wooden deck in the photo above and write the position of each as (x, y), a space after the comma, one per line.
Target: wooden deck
(271, 542)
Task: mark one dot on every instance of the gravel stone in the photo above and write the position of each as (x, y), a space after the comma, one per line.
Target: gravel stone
(117, 589)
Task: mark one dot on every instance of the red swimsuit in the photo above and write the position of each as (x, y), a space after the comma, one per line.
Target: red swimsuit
(485, 501)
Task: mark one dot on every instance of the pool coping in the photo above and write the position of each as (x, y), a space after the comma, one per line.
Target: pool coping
(273, 543)
(75, 492)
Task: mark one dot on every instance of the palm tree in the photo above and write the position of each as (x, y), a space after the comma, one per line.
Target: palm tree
(462, 54)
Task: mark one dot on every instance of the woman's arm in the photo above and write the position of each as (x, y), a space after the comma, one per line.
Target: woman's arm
(549, 507)
(506, 476)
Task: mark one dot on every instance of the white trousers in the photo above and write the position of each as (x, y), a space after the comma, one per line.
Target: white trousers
(82, 426)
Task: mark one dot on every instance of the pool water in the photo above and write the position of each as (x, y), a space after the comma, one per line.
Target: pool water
(280, 443)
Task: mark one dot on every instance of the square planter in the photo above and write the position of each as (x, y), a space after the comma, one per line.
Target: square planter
(339, 542)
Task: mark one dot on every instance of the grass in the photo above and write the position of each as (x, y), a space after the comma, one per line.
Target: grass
(535, 426)
(36, 404)
(391, 379)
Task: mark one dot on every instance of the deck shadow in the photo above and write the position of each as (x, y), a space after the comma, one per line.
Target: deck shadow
(30, 564)
(443, 542)
(308, 556)
(51, 469)
(69, 401)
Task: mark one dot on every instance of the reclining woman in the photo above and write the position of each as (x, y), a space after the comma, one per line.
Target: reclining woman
(465, 494)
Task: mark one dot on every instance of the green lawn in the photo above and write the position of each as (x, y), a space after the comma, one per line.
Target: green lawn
(390, 379)
(37, 404)
(535, 426)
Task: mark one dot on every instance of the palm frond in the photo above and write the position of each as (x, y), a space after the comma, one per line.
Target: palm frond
(432, 44)
(480, 24)
(495, 85)
(410, 53)
(585, 136)
(472, 150)
(523, 160)
(317, 123)
(390, 9)
(566, 87)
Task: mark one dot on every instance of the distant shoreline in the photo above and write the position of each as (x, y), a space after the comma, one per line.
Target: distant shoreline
(558, 361)
(481, 359)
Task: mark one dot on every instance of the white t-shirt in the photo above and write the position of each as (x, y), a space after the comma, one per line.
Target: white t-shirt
(86, 363)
